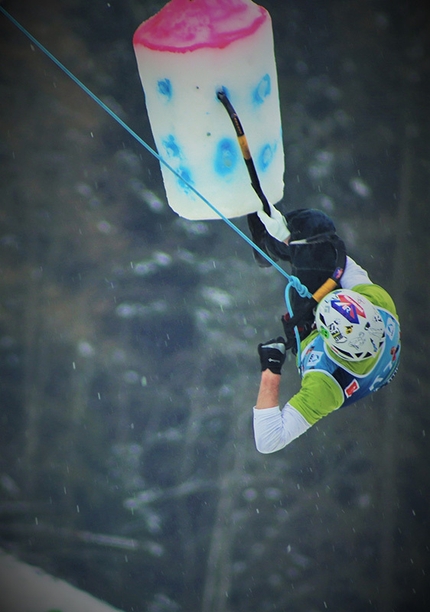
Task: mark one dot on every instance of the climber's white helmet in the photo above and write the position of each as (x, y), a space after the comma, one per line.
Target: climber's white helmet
(350, 325)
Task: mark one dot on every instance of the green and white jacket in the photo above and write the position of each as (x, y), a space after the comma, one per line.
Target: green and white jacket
(329, 382)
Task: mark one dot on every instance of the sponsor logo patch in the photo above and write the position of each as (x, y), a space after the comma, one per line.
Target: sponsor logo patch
(390, 328)
(352, 388)
(314, 358)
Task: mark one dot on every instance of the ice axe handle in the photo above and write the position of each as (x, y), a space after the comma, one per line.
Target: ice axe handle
(246, 153)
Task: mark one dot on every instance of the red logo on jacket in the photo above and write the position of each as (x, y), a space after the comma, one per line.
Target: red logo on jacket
(352, 388)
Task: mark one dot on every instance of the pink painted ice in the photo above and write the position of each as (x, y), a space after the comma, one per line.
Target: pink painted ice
(186, 25)
(186, 53)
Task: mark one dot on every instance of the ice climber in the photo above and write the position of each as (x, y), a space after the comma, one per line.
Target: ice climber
(349, 343)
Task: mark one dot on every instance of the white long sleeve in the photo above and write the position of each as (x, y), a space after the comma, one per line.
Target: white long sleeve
(274, 428)
(354, 275)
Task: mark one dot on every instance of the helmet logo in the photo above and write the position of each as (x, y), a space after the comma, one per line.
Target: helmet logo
(358, 342)
(335, 332)
(351, 326)
(347, 307)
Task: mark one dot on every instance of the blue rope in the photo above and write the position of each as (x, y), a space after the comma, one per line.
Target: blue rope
(140, 140)
(303, 292)
(293, 281)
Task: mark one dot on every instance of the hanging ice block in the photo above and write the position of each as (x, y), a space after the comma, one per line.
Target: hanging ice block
(186, 53)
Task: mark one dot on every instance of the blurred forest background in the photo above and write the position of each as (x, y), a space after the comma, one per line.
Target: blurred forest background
(128, 335)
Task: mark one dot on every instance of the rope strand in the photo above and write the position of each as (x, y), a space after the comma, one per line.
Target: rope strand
(140, 140)
(293, 281)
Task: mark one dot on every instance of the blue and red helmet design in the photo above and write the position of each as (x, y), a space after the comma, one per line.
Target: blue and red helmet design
(348, 307)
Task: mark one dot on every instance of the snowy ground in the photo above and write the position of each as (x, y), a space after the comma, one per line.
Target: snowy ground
(29, 589)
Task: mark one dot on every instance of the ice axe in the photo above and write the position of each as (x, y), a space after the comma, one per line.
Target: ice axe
(256, 227)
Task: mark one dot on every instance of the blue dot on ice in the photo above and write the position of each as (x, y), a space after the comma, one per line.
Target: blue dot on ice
(226, 156)
(266, 157)
(262, 90)
(171, 146)
(186, 175)
(164, 87)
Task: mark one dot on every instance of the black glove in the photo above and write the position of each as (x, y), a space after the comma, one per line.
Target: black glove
(305, 325)
(272, 355)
